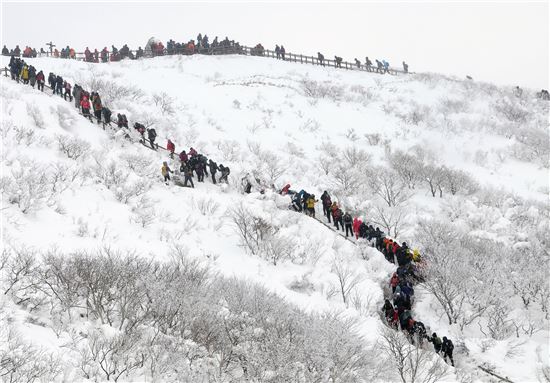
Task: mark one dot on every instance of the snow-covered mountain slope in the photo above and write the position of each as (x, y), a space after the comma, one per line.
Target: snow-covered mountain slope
(69, 186)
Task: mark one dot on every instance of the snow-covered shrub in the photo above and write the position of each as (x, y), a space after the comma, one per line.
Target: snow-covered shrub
(391, 220)
(434, 176)
(66, 119)
(408, 167)
(36, 115)
(164, 102)
(252, 229)
(139, 164)
(23, 362)
(347, 277)
(29, 186)
(108, 172)
(206, 205)
(129, 190)
(230, 149)
(386, 184)
(311, 126)
(533, 145)
(24, 135)
(143, 211)
(271, 165)
(458, 181)
(72, 147)
(62, 176)
(316, 90)
(373, 138)
(408, 363)
(355, 157)
(512, 111)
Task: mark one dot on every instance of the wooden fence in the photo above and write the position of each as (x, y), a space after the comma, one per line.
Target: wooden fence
(249, 51)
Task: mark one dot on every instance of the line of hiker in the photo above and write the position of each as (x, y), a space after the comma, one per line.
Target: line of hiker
(409, 263)
(191, 163)
(21, 71)
(397, 309)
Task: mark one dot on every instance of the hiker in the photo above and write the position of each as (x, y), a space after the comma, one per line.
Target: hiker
(199, 170)
(122, 121)
(59, 85)
(285, 189)
(141, 130)
(419, 330)
(321, 59)
(213, 169)
(5, 51)
(388, 310)
(356, 225)
(447, 348)
(295, 203)
(40, 80)
(25, 74)
(337, 216)
(85, 105)
(436, 342)
(311, 205)
(96, 103)
(183, 156)
(106, 116)
(51, 81)
(357, 63)
(104, 55)
(338, 61)
(188, 174)
(277, 52)
(77, 90)
(394, 282)
(165, 170)
(32, 76)
(368, 64)
(171, 148)
(225, 173)
(192, 152)
(386, 66)
(283, 51)
(152, 135)
(326, 202)
(348, 221)
(405, 67)
(67, 87)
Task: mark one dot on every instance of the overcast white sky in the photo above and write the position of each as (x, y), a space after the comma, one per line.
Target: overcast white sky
(502, 42)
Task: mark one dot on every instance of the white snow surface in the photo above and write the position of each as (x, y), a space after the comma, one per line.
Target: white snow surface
(233, 109)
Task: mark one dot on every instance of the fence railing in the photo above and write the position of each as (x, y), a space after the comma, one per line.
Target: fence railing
(240, 50)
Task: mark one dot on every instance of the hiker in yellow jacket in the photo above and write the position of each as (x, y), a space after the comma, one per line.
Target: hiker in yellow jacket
(310, 204)
(25, 74)
(165, 170)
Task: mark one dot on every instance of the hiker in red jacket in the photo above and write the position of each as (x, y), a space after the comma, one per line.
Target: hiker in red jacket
(171, 148)
(183, 156)
(284, 190)
(192, 152)
(356, 225)
(394, 281)
(40, 80)
(85, 105)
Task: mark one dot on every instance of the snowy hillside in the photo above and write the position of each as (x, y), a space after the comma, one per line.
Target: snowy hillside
(176, 292)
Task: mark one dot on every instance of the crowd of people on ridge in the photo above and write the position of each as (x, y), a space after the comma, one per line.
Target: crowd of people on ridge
(397, 307)
(200, 45)
(192, 163)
